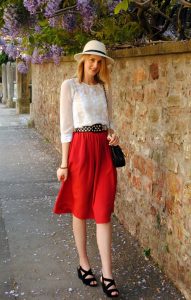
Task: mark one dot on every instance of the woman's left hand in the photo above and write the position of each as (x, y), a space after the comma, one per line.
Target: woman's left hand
(113, 139)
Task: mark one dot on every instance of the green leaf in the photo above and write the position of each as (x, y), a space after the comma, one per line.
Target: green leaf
(121, 6)
(147, 252)
(31, 39)
(3, 58)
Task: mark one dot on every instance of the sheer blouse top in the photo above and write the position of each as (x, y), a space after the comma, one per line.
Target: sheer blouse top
(83, 105)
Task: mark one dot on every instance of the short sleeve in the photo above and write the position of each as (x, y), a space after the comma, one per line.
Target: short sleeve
(66, 115)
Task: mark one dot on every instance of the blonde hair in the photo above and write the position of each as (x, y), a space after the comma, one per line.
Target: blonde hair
(102, 77)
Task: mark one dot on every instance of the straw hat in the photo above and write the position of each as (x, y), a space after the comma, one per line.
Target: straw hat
(96, 48)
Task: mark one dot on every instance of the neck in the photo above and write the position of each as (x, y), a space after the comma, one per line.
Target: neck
(89, 80)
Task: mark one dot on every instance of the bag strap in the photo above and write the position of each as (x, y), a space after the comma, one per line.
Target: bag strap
(107, 103)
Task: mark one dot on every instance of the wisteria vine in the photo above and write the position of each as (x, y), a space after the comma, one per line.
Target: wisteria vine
(37, 30)
(83, 12)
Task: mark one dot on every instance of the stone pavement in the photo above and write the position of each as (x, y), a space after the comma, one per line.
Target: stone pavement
(38, 259)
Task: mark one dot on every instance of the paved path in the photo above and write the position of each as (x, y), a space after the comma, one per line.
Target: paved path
(37, 253)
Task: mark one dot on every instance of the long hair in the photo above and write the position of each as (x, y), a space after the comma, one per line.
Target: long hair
(102, 77)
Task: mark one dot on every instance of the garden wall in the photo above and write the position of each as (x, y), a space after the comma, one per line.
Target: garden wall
(152, 114)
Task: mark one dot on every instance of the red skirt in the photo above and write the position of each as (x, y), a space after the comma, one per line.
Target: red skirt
(89, 191)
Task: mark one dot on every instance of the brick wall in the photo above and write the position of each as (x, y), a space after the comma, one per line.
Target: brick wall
(152, 113)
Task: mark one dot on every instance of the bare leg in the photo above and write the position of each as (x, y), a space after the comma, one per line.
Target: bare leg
(79, 230)
(104, 236)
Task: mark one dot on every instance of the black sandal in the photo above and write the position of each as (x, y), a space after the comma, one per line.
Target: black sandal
(106, 287)
(85, 280)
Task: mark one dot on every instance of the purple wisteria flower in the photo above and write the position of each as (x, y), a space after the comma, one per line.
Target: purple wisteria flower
(22, 67)
(37, 28)
(69, 22)
(11, 26)
(36, 57)
(2, 42)
(31, 5)
(53, 22)
(19, 40)
(55, 53)
(11, 50)
(26, 57)
(86, 9)
(51, 7)
(41, 2)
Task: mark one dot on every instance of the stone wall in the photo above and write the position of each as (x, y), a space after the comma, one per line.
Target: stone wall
(46, 82)
(8, 77)
(23, 92)
(1, 90)
(152, 113)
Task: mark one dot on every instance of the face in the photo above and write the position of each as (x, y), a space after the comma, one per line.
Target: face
(92, 65)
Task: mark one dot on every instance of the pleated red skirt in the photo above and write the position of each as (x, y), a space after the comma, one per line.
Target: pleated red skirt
(89, 191)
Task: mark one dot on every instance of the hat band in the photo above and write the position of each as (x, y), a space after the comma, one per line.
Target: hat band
(96, 51)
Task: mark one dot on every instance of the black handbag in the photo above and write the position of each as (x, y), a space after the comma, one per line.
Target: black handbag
(118, 156)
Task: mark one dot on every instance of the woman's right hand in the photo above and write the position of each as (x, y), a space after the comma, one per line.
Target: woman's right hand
(62, 174)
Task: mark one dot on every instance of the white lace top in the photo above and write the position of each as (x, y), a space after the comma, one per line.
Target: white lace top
(82, 105)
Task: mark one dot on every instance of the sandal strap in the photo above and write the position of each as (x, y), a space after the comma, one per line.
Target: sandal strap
(107, 286)
(86, 273)
(111, 281)
(89, 280)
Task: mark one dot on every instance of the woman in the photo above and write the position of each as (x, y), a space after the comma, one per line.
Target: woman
(87, 173)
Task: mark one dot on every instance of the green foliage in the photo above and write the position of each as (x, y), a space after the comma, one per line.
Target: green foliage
(4, 4)
(127, 23)
(123, 5)
(3, 58)
(147, 252)
(110, 28)
(128, 32)
(117, 30)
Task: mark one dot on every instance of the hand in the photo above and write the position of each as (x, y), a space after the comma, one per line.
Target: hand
(113, 139)
(62, 174)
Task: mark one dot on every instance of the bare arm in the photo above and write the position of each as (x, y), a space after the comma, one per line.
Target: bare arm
(62, 174)
(65, 150)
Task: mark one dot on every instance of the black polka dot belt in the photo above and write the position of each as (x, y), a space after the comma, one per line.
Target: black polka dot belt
(92, 128)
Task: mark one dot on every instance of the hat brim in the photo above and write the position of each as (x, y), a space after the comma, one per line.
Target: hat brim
(109, 60)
